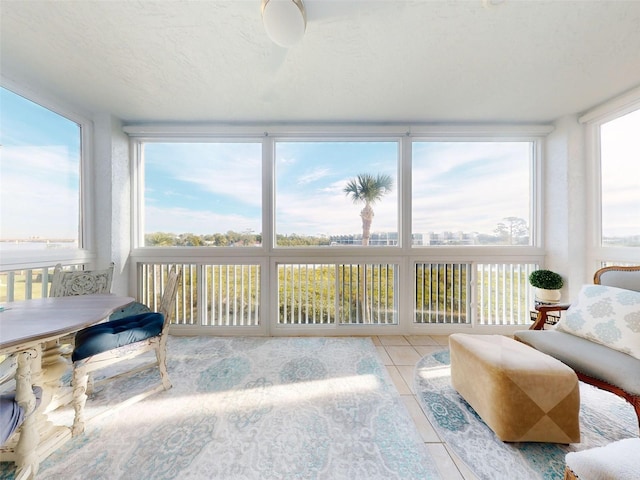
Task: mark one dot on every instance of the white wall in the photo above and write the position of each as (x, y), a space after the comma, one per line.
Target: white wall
(565, 205)
(112, 200)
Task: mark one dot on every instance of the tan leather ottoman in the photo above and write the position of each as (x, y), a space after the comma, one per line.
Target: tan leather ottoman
(522, 394)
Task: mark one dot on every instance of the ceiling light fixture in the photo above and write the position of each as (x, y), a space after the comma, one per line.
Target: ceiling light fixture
(284, 20)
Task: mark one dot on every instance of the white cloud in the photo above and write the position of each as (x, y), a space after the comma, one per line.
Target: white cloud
(330, 212)
(199, 222)
(469, 187)
(621, 176)
(39, 193)
(231, 170)
(313, 176)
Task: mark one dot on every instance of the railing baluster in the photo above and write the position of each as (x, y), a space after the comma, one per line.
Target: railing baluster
(228, 295)
(245, 298)
(44, 286)
(219, 295)
(258, 295)
(425, 294)
(28, 284)
(302, 302)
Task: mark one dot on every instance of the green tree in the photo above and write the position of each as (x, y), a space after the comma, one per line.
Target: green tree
(160, 239)
(190, 240)
(515, 231)
(367, 189)
(220, 240)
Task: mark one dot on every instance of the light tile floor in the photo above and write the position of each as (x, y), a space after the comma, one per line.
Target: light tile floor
(400, 355)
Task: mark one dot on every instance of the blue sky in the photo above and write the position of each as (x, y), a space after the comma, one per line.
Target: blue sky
(207, 188)
(39, 174)
(310, 182)
(224, 186)
(217, 187)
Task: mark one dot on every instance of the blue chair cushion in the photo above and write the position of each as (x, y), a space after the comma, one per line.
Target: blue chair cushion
(134, 308)
(116, 333)
(11, 414)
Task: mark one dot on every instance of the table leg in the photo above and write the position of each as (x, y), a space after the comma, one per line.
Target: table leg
(49, 376)
(54, 366)
(27, 460)
(79, 381)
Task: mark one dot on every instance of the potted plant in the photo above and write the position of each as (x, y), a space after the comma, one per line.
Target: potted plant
(547, 284)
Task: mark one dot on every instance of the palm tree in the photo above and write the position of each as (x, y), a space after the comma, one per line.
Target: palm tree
(368, 189)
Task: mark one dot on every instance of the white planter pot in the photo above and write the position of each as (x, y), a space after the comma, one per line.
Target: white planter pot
(548, 296)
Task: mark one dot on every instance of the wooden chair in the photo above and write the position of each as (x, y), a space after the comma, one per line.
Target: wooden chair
(124, 338)
(67, 283)
(80, 282)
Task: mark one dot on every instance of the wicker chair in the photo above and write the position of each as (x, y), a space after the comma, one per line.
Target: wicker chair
(626, 277)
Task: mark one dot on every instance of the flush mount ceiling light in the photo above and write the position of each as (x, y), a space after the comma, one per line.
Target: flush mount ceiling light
(284, 20)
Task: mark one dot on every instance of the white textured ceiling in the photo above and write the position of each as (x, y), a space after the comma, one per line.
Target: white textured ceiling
(359, 61)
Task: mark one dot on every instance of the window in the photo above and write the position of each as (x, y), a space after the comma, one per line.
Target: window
(202, 194)
(40, 175)
(466, 191)
(471, 193)
(318, 196)
(620, 181)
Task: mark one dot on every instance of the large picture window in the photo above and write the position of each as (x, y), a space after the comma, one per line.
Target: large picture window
(336, 193)
(620, 181)
(471, 193)
(40, 175)
(202, 194)
(357, 230)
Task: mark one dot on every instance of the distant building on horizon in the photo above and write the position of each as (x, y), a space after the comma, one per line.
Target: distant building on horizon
(419, 239)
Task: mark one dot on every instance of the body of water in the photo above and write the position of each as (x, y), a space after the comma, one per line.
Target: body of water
(14, 246)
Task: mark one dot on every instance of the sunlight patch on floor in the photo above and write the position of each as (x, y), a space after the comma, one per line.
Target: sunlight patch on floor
(255, 398)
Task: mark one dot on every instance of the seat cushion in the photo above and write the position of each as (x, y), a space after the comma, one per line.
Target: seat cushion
(584, 356)
(116, 333)
(11, 414)
(134, 308)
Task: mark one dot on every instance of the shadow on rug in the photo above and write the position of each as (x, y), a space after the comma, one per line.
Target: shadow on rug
(604, 418)
(251, 408)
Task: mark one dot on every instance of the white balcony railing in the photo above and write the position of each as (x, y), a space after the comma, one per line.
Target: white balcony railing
(309, 294)
(337, 293)
(443, 293)
(503, 294)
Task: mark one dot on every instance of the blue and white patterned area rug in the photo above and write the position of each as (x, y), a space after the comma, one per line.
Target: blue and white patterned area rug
(252, 408)
(604, 418)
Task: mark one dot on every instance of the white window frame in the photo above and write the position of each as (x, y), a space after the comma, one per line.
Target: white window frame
(405, 255)
(535, 181)
(138, 187)
(381, 136)
(86, 251)
(597, 254)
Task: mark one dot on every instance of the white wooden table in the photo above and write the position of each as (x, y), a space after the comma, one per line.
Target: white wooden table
(31, 329)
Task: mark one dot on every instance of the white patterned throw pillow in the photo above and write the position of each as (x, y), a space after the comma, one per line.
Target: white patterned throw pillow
(606, 315)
